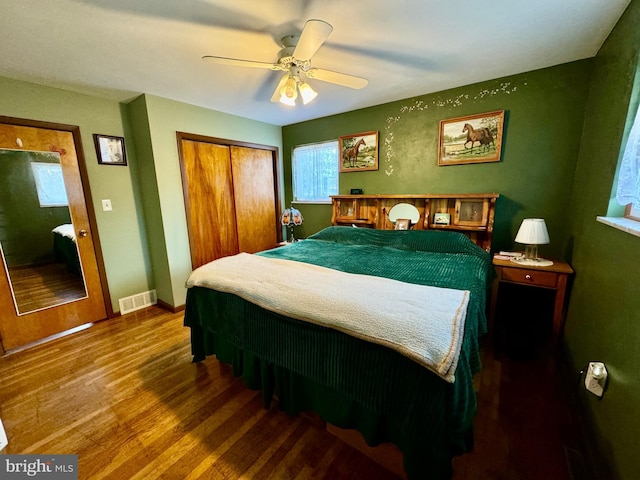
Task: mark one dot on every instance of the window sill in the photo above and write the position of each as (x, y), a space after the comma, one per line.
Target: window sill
(625, 224)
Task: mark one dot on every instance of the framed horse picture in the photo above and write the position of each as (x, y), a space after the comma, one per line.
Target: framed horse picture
(471, 139)
(359, 152)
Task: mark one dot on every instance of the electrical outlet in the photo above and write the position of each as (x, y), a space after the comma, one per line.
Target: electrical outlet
(3, 437)
(596, 378)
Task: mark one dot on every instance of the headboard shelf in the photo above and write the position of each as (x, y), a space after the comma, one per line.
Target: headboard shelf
(468, 213)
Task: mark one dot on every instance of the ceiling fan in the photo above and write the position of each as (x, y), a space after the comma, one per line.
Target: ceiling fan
(295, 59)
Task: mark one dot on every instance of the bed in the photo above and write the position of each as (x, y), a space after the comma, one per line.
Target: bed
(65, 248)
(350, 380)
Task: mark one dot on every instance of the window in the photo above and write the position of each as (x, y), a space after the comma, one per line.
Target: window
(49, 184)
(628, 191)
(315, 172)
(624, 209)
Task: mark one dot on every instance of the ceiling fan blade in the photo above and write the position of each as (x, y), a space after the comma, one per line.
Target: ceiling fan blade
(313, 35)
(276, 93)
(337, 78)
(236, 62)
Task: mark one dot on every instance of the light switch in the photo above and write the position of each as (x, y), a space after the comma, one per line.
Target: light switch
(106, 205)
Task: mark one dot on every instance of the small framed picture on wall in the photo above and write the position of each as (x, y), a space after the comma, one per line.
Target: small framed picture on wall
(110, 149)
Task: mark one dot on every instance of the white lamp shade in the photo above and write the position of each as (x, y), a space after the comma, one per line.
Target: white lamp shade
(288, 101)
(307, 92)
(533, 231)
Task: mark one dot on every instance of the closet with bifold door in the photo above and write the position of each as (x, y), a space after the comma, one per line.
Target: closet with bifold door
(231, 196)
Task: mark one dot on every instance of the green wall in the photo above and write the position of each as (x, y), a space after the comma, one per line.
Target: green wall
(543, 126)
(144, 239)
(156, 121)
(121, 231)
(603, 322)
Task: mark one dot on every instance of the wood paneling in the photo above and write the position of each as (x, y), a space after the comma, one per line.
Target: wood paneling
(126, 398)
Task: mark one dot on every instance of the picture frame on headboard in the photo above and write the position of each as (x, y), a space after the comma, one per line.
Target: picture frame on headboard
(471, 212)
(471, 139)
(359, 152)
(403, 224)
(441, 218)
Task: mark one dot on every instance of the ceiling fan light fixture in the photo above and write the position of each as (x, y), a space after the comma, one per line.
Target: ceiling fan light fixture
(307, 93)
(288, 101)
(295, 60)
(289, 89)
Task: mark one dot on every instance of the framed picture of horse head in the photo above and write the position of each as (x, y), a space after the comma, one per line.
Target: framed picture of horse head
(359, 152)
(471, 139)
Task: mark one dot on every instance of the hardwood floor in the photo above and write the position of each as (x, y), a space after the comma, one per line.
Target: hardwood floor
(124, 396)
(41, 286)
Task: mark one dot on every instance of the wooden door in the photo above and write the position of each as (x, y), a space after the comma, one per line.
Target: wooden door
(254, 187)
(208, 188)
(231, 197)
(36, 317)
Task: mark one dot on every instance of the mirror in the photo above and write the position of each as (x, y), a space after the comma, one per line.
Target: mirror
(37, 238)
(404, 210)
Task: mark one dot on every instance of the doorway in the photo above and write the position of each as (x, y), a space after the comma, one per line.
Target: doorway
(52, 276)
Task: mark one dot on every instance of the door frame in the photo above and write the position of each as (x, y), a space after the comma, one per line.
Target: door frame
(84, 178)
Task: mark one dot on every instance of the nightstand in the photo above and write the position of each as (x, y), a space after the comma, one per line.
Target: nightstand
(553, 277)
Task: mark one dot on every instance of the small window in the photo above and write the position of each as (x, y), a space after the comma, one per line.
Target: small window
(315, 172)
(50, 184)
(628, 174)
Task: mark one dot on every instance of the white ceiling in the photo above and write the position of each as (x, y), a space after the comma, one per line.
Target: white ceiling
(119, 49)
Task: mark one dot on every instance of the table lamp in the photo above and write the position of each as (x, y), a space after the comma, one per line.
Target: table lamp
(290, 218)
(532, 232)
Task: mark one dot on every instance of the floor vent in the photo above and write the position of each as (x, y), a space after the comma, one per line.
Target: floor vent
(137, 301)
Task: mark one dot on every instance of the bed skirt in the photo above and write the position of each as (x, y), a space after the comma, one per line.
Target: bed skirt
(411, 407)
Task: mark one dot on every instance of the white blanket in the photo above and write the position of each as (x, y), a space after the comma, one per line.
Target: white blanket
(65, 230)
(423, 323)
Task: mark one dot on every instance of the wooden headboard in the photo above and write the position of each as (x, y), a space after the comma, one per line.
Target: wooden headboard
(468, 213)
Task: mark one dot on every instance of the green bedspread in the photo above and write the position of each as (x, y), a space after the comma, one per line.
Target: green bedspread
(349, 382)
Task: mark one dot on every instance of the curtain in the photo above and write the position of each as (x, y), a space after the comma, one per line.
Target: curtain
(315, 172)
(629, 176)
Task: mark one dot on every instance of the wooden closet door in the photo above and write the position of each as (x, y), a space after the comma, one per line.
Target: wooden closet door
(208, 187)
(254, 187)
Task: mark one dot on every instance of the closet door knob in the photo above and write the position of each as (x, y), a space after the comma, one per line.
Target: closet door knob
(82, 233)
